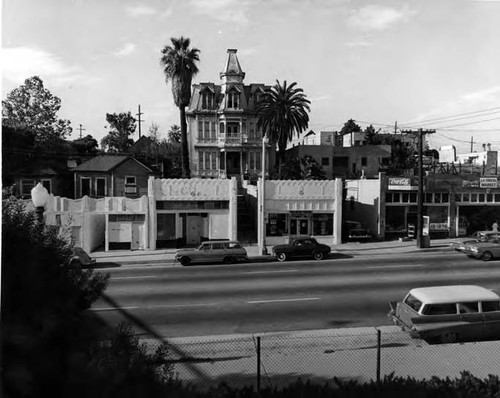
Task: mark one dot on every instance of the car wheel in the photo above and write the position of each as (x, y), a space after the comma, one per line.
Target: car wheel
(448, 338)
(185, 261)
(487, 256)
(228, 260)
(281, 257)
(318, 256)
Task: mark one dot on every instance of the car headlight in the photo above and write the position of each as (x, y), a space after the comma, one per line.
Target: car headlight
(473, 249)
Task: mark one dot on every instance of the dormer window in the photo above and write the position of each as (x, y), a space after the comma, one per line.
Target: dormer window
(207, 99)
(257, 97)
(233, 99)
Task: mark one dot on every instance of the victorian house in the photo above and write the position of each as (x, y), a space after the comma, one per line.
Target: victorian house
(223, 138)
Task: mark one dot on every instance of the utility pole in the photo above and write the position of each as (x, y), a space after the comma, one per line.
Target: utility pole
(139, 120)
(420, 195)
(395, 127)
(81, 129)
(471, 144)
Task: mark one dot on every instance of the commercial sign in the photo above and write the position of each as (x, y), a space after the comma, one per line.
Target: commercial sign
(470, 184)
(401, 183)
(438, 226)
(488, 182)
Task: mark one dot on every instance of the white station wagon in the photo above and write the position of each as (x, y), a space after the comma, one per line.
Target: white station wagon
(447, 314)
(226, 251)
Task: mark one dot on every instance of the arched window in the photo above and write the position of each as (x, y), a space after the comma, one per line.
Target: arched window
(233, 99)
(207, 99)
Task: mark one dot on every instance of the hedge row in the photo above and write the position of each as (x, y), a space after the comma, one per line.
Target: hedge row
(465, 386)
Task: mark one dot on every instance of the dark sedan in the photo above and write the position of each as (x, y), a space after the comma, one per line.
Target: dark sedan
(301, 247)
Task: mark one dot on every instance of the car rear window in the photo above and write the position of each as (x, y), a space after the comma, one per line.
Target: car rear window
(469, 307)
(489, 306)
(234, 246)
(440, 309)
(412, 302)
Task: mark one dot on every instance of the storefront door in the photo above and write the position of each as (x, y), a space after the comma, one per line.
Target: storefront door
(299, 226)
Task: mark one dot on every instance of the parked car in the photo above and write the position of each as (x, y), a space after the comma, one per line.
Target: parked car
(478, 236)
(212, 251)
(301, 247)
(485, 251)
(81, 259)
(447, 314)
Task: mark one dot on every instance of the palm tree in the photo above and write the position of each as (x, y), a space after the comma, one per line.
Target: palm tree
(283, 111)
(179, 66)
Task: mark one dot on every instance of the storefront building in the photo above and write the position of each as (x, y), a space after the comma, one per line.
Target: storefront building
(301, 208)
(185, 212)
(457, 205)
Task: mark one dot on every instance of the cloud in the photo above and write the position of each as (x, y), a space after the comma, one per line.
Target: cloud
(21, 63)
(319, 98)
(376, 17)
(223, 10)
(126, 50)
(140, 10)
(357, 44)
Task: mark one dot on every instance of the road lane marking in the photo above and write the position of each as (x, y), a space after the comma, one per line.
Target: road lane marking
(135, 277)
(113, 308)
(270, 272)
(155, 306)
(283, 300)
(396, 266)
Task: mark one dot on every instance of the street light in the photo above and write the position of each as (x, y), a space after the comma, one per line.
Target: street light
(39, 196)
(262, 242)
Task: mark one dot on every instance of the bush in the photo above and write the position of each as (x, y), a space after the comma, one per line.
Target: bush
(51, 344)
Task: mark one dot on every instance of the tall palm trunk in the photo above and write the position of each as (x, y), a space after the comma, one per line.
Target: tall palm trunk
(186, 172)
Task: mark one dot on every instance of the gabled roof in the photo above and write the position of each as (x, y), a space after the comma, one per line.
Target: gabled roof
(105, 163)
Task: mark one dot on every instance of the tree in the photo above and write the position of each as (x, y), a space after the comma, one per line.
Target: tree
(350, 127)
(51, 344)
(122, 126)
(35, 107)
(179, 66)
(305, 168)
(283, 112)
(86, 146)
(372, 137)
(174, 134)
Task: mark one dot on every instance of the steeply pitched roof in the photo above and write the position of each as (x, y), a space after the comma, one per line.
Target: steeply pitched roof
(105, 163)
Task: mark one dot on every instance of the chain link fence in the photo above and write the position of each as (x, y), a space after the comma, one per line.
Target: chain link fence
(277, 359)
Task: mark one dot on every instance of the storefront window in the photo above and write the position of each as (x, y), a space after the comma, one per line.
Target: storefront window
(322, 224)
(395, 219)
(277, 224)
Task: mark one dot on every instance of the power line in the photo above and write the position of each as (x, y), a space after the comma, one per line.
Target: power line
(454, 116)
(476, 122)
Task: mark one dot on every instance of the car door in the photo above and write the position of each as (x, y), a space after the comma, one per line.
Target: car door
(491, 318)
(304, 247)
(471, 325)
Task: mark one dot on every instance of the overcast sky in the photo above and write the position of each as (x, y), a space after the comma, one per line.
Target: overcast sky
(373, 61)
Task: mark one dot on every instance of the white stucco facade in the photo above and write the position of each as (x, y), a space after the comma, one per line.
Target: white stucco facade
(294, 208)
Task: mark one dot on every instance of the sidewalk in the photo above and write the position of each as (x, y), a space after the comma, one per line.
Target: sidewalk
(166, 256)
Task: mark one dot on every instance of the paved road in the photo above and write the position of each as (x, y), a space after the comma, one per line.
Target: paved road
(268, 297)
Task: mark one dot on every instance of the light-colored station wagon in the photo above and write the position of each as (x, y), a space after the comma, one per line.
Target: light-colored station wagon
(213, 251)
(447, 314)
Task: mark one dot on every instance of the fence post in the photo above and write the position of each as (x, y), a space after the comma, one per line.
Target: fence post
(379, 339)
(258, 363)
